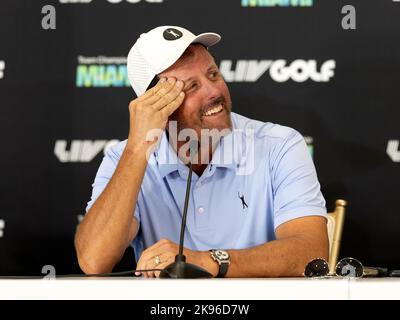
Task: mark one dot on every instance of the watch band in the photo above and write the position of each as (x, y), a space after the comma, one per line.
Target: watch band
(223, 269)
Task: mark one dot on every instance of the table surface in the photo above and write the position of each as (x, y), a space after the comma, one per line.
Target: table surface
(131, 288)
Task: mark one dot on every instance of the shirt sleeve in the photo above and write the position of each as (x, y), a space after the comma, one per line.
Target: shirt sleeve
(295, 184)
(104, 175)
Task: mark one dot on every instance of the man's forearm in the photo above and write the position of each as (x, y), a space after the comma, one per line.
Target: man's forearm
(279, 258)
(107, 228)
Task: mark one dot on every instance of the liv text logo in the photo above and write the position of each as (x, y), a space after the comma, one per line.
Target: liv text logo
(2, 67)
(279, 70)
(277, 3)
(2, 227)
(81, 150)
(393, 150)
(110, 1)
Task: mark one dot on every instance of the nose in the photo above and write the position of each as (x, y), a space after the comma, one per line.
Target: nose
(211, 90)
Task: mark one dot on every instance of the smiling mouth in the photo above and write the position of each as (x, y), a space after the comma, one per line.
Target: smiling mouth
(213, 111)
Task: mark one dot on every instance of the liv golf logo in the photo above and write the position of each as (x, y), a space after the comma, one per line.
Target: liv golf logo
(393, 150)
(279, 70)
(2, 227)
(2, 67)
(101, 72)
(81, 150)
(110, 1)
(277, 3)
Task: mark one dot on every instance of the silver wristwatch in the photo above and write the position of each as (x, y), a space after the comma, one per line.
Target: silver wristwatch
(223, 259)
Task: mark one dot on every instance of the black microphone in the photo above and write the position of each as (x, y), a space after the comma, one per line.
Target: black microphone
(180, 269)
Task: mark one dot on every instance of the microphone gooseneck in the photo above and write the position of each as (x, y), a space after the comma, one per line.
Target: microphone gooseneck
(180, 269)
(185, 208)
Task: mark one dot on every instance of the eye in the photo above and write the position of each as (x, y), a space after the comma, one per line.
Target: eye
(191, 86)
(214, 74)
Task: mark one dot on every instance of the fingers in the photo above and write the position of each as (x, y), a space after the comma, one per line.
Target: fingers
(146, 112)
(162, 266)
(164, 249)
(151, 263)
(164, 86)
(166, 96)
(160, 91)
(147, 261)
(149, 93)
(173, 105)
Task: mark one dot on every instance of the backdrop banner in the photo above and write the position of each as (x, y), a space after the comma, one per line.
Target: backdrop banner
(327, 69)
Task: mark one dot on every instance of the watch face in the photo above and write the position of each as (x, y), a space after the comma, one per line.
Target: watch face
(222, 255)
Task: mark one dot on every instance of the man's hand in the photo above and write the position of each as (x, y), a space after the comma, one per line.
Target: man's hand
(166, 250)
(151, 110)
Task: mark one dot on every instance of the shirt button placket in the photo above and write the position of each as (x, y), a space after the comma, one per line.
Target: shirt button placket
(201, 205)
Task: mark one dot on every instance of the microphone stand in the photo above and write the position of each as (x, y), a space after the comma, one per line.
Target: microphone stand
(180, 269)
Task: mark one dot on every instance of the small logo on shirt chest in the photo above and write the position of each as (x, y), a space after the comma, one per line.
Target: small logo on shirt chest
(244, 204)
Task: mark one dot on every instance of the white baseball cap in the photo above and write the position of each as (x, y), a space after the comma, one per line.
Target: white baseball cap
(157, 50)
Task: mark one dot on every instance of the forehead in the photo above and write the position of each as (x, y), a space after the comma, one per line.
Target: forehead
(195, 59)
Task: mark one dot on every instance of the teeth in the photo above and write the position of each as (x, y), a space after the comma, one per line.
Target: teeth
(213, 111)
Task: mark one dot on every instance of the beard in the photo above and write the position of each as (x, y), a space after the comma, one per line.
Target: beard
(182, 129)
(197, 120)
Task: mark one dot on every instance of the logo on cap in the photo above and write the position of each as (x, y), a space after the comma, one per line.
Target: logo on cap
(172, 34)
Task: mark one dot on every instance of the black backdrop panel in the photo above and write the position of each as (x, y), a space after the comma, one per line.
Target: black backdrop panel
(64, 99)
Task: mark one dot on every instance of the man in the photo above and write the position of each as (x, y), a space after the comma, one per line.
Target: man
(268, 220)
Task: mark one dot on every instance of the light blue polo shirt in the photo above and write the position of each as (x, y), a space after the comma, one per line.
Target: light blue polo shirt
(266, 178)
